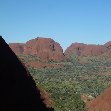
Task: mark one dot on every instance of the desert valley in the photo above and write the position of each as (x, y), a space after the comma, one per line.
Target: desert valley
(78, 79)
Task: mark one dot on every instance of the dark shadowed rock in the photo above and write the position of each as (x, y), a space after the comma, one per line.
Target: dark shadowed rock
(18, 91)
(102, 102)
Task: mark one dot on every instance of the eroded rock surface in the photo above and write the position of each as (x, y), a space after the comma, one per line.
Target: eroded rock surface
(18, 48)
(44, 48)
(81, 49)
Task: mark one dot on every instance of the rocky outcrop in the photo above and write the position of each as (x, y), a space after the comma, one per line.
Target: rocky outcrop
(81, 49)
(47, 49)
(74, 48)
(18, 91)
(44, 48)
(18, 48)
(102, 102)
(108, 44)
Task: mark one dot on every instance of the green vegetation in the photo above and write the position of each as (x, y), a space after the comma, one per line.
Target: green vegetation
(67, 83)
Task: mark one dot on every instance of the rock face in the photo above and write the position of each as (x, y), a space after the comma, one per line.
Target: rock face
(85, 50)
(18, 48)
(108, 44)
(102, 102)
(74, 48)
(18, 91)
(45, 48)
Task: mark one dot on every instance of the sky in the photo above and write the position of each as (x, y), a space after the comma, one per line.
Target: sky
(65, 21)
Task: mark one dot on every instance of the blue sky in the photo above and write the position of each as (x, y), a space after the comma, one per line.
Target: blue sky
(65, 21)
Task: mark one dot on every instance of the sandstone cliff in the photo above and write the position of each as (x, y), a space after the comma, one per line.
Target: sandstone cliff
(81, 49)
(44, 48)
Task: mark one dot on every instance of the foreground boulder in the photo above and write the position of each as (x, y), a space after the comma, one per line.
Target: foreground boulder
(44, 48)
(102, 102)
(18, 91)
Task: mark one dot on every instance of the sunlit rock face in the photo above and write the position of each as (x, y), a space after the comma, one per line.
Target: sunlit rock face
(108, 44)
(44, 48)
(102, 102)
(81, 49)
(18, 48)
(18, 91)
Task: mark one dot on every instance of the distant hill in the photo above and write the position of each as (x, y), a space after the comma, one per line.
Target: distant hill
(48, 51)
(44, 48)
(81, 49)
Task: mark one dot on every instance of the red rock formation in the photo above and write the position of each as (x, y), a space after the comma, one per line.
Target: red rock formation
(94, 50)
(85, 50)
(18, 48)
(102, 102)
(45, 48)
(108, 44)
(74, 48)
(18, 91)
(45, 97)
